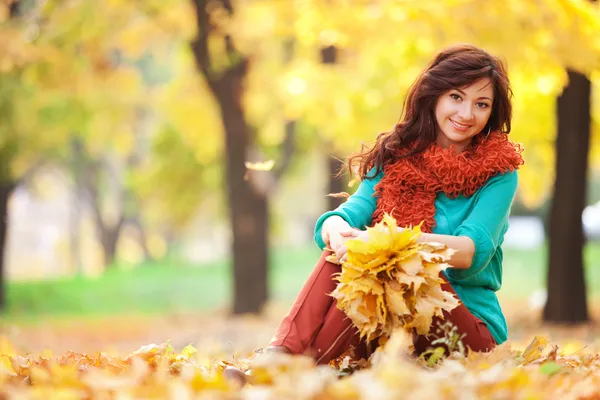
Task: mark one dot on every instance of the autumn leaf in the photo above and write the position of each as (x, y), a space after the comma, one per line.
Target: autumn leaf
(550, 368)
(340, 195)
(260, 166)
(534, 350)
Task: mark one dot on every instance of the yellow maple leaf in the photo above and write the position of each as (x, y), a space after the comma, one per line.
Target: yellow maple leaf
(535, 349)
(413, 265)
(395, 301)
(413, 282)
(422, 321)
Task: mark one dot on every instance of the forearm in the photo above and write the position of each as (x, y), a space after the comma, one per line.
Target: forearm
(464, 246)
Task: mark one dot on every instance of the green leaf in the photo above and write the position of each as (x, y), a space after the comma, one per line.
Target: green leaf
(550, 368)
(437, 355)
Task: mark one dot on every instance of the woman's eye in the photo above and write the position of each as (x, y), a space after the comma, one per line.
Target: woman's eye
(455, 96)
(482, 105)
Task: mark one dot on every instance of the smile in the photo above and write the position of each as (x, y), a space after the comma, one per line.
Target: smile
(459, 126)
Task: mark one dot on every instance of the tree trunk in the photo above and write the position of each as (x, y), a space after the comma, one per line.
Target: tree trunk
(248, 206)
(77, 166)
(88, 181)
(566, 279)
(329, 56)
(7, 184)
(142, 237)
(109, 239)
(109, 247)
(6, 189)
(75, 232)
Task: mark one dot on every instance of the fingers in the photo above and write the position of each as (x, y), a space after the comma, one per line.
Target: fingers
(350, 233)
(337, 240)
(342, 254)
(335, 243)
(344, 258)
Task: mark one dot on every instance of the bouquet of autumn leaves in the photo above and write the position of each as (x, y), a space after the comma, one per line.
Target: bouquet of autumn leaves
(391, 281)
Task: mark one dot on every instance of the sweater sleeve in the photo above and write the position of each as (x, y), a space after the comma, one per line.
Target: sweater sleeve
(487, 223)
(357, 210)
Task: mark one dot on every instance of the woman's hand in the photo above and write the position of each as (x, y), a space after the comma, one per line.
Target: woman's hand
(336, 231)
(342, 252)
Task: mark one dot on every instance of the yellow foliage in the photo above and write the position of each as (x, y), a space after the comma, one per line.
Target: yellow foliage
(78, 71)
(391, 281)
(16, 52)
(383, 45)
(158, 371)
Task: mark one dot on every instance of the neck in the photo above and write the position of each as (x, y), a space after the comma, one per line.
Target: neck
(444, 143)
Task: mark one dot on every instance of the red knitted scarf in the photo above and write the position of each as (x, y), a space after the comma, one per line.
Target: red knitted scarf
(409, 186)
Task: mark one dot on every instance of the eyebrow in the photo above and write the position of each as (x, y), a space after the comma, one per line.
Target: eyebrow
(464, 94)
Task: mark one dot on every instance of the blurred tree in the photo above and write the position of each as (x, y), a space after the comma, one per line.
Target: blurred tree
(566, 276)
(126, 97)
(17, 120)
(95, 181)
(7, 185)
(567, 300)
(103, 102)
(335, 164)
(225, 68)
(74, 67)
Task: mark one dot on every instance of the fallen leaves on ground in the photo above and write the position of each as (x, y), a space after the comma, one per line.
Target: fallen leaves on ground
(391, 281)
(158, 371)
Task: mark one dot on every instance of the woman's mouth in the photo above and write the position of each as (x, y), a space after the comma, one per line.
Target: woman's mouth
(460, 127)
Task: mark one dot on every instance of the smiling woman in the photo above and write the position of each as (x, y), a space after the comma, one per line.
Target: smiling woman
(447, 165)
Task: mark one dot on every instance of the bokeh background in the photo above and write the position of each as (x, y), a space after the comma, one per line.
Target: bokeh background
(162, 162)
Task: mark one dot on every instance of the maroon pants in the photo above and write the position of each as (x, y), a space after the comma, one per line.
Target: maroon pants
(316, 327)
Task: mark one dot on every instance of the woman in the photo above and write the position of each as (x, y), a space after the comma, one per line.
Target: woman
(449, 164)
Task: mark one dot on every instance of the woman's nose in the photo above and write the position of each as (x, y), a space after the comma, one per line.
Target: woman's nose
(466, 112)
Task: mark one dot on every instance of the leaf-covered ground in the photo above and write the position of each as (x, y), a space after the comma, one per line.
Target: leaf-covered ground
(541, 370)
(105, 358)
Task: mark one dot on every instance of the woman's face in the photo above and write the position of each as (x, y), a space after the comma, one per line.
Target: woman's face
(463, 113)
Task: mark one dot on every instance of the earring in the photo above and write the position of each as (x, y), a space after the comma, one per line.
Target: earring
(489, 130)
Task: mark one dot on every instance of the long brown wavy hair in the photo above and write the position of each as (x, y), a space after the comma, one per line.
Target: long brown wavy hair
(454, 67)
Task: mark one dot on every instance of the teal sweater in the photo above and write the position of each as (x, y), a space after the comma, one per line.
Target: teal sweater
(483, 217)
